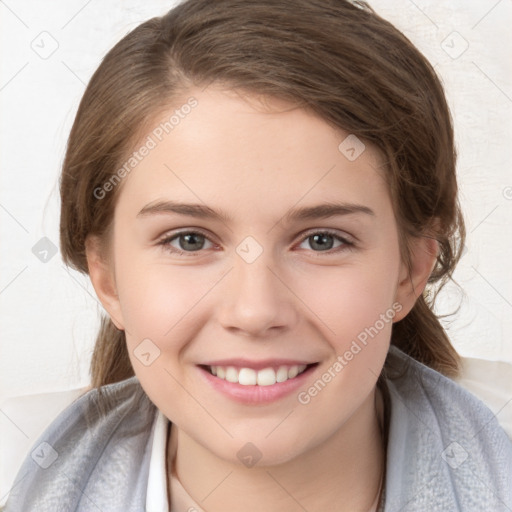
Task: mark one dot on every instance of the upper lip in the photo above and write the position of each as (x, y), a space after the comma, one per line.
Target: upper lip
(257, 365)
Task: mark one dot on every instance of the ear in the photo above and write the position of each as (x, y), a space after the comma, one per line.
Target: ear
(101, 272)
(423, 253)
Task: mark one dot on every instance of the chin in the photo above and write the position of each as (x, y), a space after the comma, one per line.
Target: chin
(260, 451)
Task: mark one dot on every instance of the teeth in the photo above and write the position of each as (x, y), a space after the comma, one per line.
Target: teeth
(282, 374)
(231, 374)
(247, 377)
(266, 377)
(250, 377)
(293, 372)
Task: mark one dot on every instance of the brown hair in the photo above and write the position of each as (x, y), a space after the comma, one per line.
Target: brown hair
(335, 57)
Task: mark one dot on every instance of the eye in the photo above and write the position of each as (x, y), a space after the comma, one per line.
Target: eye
(187, 241)
(324, 241)
(190, 242)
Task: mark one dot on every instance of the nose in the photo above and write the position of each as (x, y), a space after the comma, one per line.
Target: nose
(256, 299)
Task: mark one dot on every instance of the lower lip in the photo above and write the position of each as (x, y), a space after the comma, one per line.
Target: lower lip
(256, 394)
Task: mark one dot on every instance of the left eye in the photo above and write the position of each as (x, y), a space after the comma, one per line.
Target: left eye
(323, 240)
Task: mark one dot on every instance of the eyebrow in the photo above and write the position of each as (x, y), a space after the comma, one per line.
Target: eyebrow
(201, 211)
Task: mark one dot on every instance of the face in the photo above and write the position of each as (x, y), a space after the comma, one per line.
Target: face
(288, 263)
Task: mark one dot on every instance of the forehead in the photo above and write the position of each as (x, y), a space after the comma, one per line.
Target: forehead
(249, 153)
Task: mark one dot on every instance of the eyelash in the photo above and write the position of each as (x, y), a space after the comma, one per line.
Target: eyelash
(346, 244)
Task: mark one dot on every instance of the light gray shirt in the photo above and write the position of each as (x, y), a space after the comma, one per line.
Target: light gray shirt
(446, 450)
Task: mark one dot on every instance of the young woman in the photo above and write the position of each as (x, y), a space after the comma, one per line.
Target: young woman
(264, 197)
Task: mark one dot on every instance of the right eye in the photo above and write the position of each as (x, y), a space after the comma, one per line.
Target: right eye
(189, 242)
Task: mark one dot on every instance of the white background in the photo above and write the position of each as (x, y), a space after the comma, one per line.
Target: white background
(49, 315)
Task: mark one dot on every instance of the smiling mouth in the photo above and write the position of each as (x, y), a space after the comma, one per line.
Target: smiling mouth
(251, 377)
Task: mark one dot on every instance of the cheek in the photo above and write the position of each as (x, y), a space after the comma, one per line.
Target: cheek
(159, 301)
(149, 301)
(356, 307)
(349, 299)
(358, 313)
(359, 331)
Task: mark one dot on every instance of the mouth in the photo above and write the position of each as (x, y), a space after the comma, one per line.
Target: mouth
(257, 383)
(253, 377)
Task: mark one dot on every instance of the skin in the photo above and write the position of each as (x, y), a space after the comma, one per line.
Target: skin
(256, 160)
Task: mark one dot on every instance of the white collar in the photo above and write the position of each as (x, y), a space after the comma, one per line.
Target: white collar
(156, 498)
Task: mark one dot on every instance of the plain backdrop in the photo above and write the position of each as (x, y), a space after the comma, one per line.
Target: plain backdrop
(49, 315)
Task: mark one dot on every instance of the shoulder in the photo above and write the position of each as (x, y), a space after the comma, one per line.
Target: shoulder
(96, 449)
(446, 448)
(435, 396)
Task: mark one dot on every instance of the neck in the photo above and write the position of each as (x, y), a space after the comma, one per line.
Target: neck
(345, 469)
